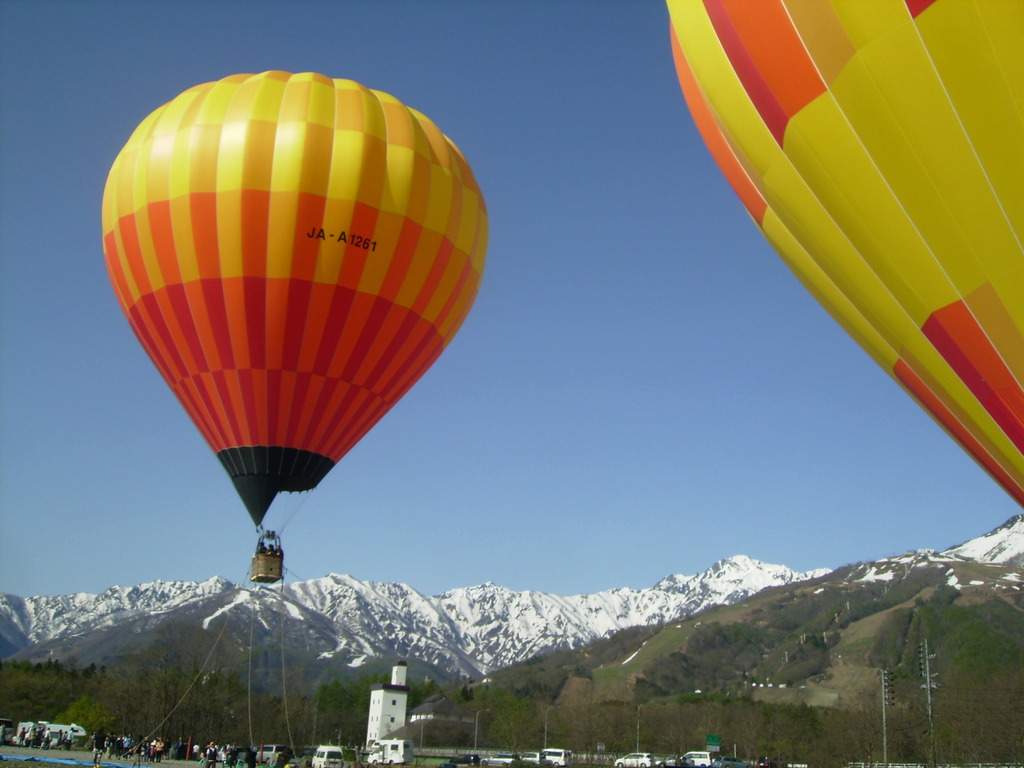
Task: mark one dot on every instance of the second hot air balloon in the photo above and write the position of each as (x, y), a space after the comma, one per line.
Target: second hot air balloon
(879, 146)
(293, 252)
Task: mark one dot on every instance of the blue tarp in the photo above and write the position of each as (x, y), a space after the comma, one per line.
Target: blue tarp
(63, 761)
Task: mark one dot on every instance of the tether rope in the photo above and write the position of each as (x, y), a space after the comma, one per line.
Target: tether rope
(252, 624)
(284, 682)
(303, 498)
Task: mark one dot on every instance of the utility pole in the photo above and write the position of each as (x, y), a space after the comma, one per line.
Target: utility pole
(546, 713)
(639, 707)
(929, 683)
(476, 725)
(888, 699)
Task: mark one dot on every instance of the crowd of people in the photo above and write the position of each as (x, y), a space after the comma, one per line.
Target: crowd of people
(107, 747)
(229, 756)
(269, 544)
(104, 746)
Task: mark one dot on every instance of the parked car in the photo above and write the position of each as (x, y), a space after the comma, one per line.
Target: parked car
(328, 756)
(636, 760)
(770, 762)
(502, 758)
(534, 758)
(560, 757)
(725, 761)
(697, 759)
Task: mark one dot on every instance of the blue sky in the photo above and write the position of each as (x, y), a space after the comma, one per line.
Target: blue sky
(642, 388)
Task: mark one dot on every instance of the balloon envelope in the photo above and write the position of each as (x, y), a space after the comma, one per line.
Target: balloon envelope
(293, 252)
(879, 146)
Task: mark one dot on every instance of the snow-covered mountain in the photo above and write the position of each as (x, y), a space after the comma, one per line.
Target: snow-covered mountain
(1004, 545)
(341, 620)
(467, 631)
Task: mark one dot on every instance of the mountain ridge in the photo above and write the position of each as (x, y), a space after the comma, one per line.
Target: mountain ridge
(343, 622)
(466, 631)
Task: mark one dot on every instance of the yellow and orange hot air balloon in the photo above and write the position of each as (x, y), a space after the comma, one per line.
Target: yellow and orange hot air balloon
(293, 252)
(879, 146)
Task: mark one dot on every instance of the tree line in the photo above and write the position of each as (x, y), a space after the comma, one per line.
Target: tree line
(154, 697)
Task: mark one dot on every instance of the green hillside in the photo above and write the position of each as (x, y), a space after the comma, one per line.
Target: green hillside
(821, 642)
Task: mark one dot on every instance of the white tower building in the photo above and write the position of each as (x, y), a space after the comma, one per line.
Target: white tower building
(387, 705)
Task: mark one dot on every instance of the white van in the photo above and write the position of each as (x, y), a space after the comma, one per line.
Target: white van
(697, 759)
(328, 756)
(390, 752)
(559, 757)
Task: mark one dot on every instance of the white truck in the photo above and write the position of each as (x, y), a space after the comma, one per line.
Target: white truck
(390, 752)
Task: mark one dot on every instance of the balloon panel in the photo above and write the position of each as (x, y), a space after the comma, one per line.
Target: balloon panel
(293, 252)
(879, 147)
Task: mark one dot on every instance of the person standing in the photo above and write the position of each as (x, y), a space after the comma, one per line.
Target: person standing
(99, 743)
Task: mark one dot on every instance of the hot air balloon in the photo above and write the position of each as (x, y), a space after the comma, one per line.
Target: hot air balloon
(879, 147)
(293, 252)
